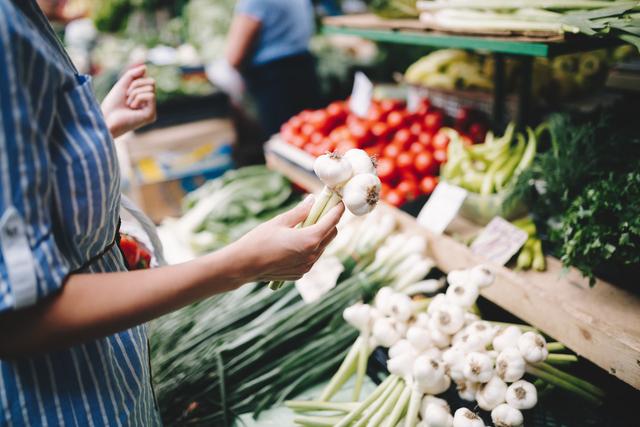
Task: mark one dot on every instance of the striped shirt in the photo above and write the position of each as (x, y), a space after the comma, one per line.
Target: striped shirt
(59, 204)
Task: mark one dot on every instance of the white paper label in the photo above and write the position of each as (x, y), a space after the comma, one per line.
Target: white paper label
(413, 99)
(442, 207)
(362, 95)
(499, 241)
(322, 277)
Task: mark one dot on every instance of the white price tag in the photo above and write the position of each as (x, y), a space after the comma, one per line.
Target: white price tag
(362, 95)
(322, 277)
(499, 241)
(442, 207)
(413, 99)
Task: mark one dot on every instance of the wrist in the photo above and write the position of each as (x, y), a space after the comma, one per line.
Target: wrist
(230, 263)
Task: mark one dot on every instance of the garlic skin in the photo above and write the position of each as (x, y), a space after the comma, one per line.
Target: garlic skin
(383, 301)
(505, 416)
(478, 367)
(401, 365)
(506, 338)
(419, 338)
(448, 318)
(432, 400)
(454, 359)
(465, 418)
(422, 320)
(402, 346)
(436, 415)
(533, 347)
(359, 316)
(385, 333)
(481, 276)
(361, 193)
(463, 295)
(437, 302)
(458, 277)
(439, 387)
(401, 306)
(439, 339)
(522, 395)
(491, 394)
(510, 365)
(360, 161)
(332, 169)
(467, 390)
(428, 371)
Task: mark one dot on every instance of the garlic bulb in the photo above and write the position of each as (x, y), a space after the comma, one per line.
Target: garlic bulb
(402, 346)
(491, 394)
(439, 387)
(481, 276)
(439, 338)
(522, 395)
(458, 277)
(465, 418)
(470, 318)
(467, 390)
(437, 302)
(402, 364)
(419, 338)
(478, 367)
(358, 316)
(360, 161)
(332, 169)
(449, 318)
(428, 371)
(454, 359)
(435, 415)
(432, 400)
(385, 332)
(383, 301)
(462, 295)
(361, 193)
(401, 306)
(422, 320)
(506, 337)
(510, 365)
(533, 347)
(505, 416)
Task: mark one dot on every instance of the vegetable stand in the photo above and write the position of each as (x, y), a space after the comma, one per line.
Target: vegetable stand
(600, 323)
(525, 48)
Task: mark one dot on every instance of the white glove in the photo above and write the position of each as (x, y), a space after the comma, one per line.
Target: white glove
(226, 78)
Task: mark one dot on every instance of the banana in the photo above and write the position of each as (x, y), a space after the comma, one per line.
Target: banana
(432, 63)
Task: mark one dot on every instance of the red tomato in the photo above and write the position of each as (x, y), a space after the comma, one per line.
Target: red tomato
(423, 107)
(395, 119)
(316, 138)
(307, 130)
(380, 131)
(395, 198)
(463, 116)
(478, 132)
(440, 156)
(466, 140)
(375, 113)
(345, 145)
(425, 139)
(386, 169)
(298, 141)
(433, 120)
(337, 111)
(388, 105)
(374, 150)
(296, 122)
(424, 164)
(409, 188)
(428, 184)
(404, 161)
(384, 189)
(361, 134)
(416, 129)
(416, 148)
(392, 150)
(131, 251)
(440, 141)
(403, 138)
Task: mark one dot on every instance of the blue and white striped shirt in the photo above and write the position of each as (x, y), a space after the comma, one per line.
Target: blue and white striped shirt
(59, 207)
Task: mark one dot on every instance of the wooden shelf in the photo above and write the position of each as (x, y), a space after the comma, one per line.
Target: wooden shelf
(600, 323)
(414, 32)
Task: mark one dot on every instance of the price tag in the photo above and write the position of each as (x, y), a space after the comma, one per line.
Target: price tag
(362, 95)
(413, 99)
(499, 241)
(442, 207)
(322, 277)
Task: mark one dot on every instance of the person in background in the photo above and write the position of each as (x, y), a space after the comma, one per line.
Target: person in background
(268, 43)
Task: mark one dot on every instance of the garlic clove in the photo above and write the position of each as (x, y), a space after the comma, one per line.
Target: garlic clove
(533, 347)
(522, 395)
(465, 418)
(360, 161)
(436, 415)
(332, 169)
(491, 394)
(448, 318)
(481, 276)
(478, 367)
(419, 338)
(402, 346)
(510, 365)
(401, 306)
(458, 277)
(383, 301)
(467, 390)
(428, 371)
(462, 295)
(385, 332)
(359, 316)
(361, 193)
(506, 337)
(505, 416)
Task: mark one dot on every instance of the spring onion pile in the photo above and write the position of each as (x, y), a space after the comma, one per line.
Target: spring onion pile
(250, 349)
(436, 344)
(351, 178)
(608, 18)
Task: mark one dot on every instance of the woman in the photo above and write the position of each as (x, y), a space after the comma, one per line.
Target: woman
(269, 44)
(73, 348)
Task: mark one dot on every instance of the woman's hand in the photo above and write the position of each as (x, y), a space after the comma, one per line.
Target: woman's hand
(131, 103)
(276, 250)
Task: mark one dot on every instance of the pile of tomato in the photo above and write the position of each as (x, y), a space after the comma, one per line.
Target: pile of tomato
(408, 146)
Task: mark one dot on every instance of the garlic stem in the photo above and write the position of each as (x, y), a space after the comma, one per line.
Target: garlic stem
(562, 358)
(344, 372)
(414, 407)
(309, 421)
(312, 406)
(571, 378)
(375, 407)
(361, 370)
(319, 207)
(399, 408)
(566, 385)
(523, 328)
(387, 406)
(390, 381)
(555, 346)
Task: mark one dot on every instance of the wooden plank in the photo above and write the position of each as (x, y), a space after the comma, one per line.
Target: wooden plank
(600, 323)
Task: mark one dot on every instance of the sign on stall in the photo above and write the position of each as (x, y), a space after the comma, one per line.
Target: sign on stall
(499, 241)
(442, 207)
(361, 96)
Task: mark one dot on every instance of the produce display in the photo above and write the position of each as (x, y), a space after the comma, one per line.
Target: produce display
(595, 18)
(408, 146)
(439, 343)
(531, 255)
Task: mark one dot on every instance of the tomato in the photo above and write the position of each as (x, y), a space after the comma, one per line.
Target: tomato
(425, 139)
(375, 113)
(440, 141)
(478, 132)
(316, 138)
(440, 156)
(424, 164)
(131, 250)
(423, 107)
(409, 188)
(384, 189)
(386, 169)
(428, 184)
(381, 131)
(374, 150)
(345, 145)
(296, 122)
(298, 141)
(395, 198)
(389, 105)
(337, 111)
(403, 138)
(404, 161)
(416, 129)
(395, 119)
(463, 116)
(434, 120)
(392, 150)
(466, 140)
(307, 130)
(361, 134)
(416, 148)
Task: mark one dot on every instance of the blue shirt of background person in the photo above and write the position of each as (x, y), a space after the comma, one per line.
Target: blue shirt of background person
(285, 30)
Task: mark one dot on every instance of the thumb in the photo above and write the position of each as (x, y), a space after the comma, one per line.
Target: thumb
(131, 75)
(298, 214)
(325, 226)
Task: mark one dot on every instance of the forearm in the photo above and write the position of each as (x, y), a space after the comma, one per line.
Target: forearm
(244, 30)
(91, 306)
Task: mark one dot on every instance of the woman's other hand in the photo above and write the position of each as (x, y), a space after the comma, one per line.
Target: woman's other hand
(277, 250)
(131, 103)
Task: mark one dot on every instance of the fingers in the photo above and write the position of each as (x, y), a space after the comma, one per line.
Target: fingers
(328, 222)
(296, 215)
(332, 235)
(141, 99)
(132, 74)
(142, 92)
(141, 82)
